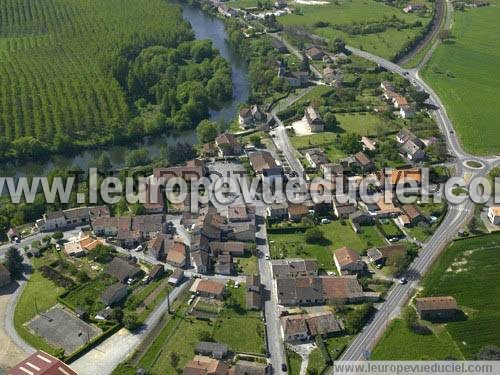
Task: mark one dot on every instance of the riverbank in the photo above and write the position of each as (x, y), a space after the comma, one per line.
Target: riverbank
(204, 26)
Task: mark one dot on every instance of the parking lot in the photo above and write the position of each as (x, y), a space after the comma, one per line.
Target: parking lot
(63, 329)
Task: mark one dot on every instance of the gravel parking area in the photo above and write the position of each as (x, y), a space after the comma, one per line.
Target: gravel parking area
(63, 329)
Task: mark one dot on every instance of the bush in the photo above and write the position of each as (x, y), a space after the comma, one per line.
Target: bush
(314, 235)
(56, 277)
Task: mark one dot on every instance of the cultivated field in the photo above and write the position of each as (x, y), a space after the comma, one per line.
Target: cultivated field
(385, 43)
(56, 55)
(466, 75)
(468, 271)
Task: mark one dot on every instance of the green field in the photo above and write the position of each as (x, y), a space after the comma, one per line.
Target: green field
(465, 73)
(468, 271)
(241, 330)
(338, 235)
(38, 295)
(386, 43)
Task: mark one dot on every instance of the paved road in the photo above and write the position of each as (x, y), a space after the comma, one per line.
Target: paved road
(456, 217)
(274, 340)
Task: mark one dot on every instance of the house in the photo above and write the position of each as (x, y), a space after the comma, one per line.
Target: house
(410, 8)
(206, 366)
(342, 207)
(71, 218)
(41, 363)
(235, 248)
(306, 326)
(265, 166)
(290, 268)
(412, 151)
(250, 116)
(129, 231)
(315, 53)
(156, 246)
(332, 169)
(114, 294)
(348, 261)
(340, 58)
(209, 150)
(322, 323)
(368, 144)
(413, 175)
(4, 275)
(319, 290)
(316, 157)
(177, 255)
(13, 234)
(295, 79)
(380, 255)
(494, 215)
(364, 162)
(212, 349)
(411, 215)
(156, 272)
(297, 211)
(399, 101)
(227, 145)
(237, 212)
(200, 260)
(224, 265)
(332, 77)
(407, 111)
(314, 120)
(194, 169)
(176, 277)
(436, 308)
(121, 270)
(208, 288)
(387, 86)
(253, 294)
(294, 328)
(277, 211)
(405, 135)
(242, 232)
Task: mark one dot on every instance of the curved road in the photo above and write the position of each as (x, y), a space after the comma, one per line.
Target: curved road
(457, 216)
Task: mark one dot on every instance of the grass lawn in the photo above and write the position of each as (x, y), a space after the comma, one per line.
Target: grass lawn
(338, 235)
(240, 329)
(88, 296)
(363, 123)
(399, 343)
(466, 75)
(325, 141)
(294, 362)
(316, 362)
(39, 295)
(466, 270)
(371, 236)
(248, 265)
(384, 44)
(389, 228)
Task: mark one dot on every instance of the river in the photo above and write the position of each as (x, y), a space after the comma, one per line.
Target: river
(205, 26)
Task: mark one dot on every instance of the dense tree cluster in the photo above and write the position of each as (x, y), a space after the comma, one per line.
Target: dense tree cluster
(70, 78)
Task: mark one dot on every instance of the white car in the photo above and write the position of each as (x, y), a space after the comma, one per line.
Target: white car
(268, 257)
(130, 281)
(325, 221)
(139, 248)
(58, 247)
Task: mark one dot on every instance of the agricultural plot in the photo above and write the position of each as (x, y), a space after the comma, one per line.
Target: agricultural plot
(465, 74)
(56, 89)
(468, 271)
(337, 19)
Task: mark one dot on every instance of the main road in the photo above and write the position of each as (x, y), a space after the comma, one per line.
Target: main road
(457, 216)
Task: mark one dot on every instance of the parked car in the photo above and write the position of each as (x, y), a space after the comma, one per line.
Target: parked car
(284, 368)
(139, 248)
